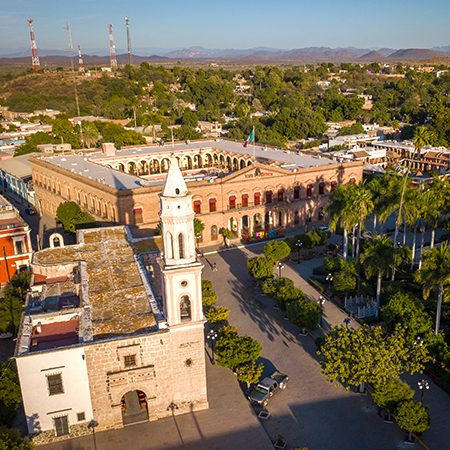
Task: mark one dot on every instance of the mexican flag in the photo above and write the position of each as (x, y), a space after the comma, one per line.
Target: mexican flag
(249, 139)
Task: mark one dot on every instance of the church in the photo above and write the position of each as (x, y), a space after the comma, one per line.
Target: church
(107, 340)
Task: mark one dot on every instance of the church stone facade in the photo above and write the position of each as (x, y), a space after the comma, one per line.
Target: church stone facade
(97, 345)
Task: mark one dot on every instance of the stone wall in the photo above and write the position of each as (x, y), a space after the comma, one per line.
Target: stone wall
(49, 436)
(170, 370)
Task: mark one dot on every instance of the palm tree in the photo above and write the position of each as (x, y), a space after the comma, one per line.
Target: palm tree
(90, 133)
(412, 213)
(422, 137)
(340, 211)
(377, 259)
(435, 274)
(377, 188)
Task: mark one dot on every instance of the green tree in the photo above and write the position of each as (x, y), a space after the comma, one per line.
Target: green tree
(369, 355)
(260, 267)
(209, 297)
(282, 290)
(435, 274)
(304, 313)
(70, 215)
(11, 309)
(234, 351)
(345, 279)
(227, 235)
(10, 394)
(249, 373)
(10, 439)
(217, 315)
(356, 128)
(26, 148)
(412, 416)
(276, 250)
(388, 395)
(377, 260)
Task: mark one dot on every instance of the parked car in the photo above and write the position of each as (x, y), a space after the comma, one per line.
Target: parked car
(325, 229)
(267, 388)
(30, 211)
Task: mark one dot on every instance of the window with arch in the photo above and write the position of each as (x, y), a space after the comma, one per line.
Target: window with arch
(185, 309)
(257, 198)
(268, 196)
(214, 233)
(296, 192)
(280, 195)
(197, 206)
(181, 246)
(244, 200)
(212, 205)
(296, 218)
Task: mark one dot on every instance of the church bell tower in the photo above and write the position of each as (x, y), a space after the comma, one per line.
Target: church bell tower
(181, 270)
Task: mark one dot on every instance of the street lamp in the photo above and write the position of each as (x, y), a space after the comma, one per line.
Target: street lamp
(299, 244)
(423, 384)
(329, 278)
(212, 335)
(279, 267)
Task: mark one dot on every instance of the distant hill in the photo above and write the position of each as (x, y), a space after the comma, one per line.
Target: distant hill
(89, 61)
(373, 56)
(414, 54)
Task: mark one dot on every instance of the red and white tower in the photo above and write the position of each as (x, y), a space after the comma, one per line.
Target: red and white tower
(80, 61)
(34, 52)
(112, 48)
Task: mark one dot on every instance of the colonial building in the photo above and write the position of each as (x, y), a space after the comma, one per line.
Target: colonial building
(251, 190)
(15, 242)
(98, 345)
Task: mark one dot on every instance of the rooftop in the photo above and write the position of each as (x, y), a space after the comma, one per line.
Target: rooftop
(118, 299)
(90, 165)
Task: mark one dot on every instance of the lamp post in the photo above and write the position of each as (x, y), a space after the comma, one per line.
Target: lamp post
(423, 384)
(213, 336)
(299, 245)
(329, 278)
(279, 267)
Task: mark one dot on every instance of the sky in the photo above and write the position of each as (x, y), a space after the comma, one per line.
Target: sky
(240, 24)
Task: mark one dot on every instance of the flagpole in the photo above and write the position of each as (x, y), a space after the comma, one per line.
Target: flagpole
(254, 139)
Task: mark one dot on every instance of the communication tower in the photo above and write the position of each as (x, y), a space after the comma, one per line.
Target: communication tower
(34, 52)
(80, 61)
(112, 48)
(127, 23)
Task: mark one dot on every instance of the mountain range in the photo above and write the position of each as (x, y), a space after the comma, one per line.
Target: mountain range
(262, 54)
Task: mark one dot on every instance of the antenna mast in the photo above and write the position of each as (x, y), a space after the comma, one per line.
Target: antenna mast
(69, 38)
(127, 23)
(34, 52)
(80, 61)
(112, 48)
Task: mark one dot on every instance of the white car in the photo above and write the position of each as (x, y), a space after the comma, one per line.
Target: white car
(325, 229)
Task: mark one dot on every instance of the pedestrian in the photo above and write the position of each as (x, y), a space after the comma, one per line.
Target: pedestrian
(214, 267)
(202, 253)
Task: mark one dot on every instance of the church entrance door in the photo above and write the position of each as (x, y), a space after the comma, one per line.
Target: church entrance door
(134, 407)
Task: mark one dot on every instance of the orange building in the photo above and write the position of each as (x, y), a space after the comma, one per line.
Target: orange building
(15, 242)
(252, 190)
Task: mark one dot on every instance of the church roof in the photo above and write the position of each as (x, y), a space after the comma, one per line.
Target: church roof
(174, 185)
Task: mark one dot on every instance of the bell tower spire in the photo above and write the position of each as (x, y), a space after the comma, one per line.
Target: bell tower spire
(181, 271)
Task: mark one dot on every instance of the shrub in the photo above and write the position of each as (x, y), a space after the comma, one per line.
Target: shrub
(304, 313)
(276, 250)
(260, 267)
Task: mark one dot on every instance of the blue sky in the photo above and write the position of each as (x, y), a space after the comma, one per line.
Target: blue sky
(241, 24)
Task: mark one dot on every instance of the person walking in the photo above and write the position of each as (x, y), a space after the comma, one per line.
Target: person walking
(214, 269)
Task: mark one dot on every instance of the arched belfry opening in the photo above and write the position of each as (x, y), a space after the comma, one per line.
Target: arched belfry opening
(185, 309)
